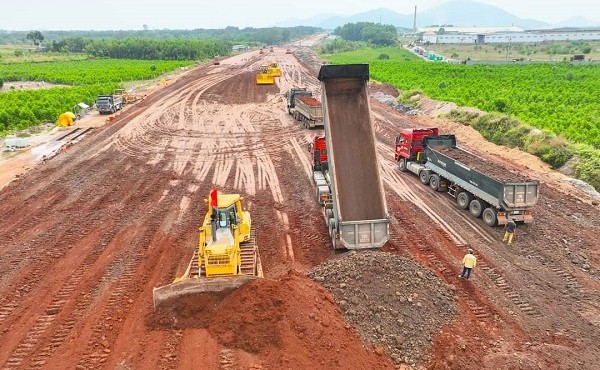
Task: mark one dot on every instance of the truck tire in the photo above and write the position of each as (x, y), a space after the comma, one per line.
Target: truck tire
(424, 177)
(332, 227)
(476, 208)
(489, 216)
(434, 182)
(463, 199)
(402, 164)
(329, 213)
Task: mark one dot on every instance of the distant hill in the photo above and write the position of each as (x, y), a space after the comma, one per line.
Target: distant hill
(578, 22)
(471, 13)
(466, 13)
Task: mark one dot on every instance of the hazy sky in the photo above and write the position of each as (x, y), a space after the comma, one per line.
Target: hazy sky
(188, 14)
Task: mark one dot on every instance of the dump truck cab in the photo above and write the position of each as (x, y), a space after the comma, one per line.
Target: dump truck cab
(318, 151)
(410, 142)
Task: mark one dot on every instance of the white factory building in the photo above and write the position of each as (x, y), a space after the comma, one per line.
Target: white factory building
(491, 35)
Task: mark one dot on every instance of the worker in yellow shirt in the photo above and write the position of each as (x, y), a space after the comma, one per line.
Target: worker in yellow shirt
(469, 262)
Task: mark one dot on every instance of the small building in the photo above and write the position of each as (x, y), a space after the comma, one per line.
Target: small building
(496, 35)
(237, 48)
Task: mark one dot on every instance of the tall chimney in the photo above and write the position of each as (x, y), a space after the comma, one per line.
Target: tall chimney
(415, 21)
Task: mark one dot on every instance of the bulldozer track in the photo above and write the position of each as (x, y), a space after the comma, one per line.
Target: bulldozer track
(479, 309)
(27, 347)
(71, 132)
(448, 270)
(121, 273)
(53, 325)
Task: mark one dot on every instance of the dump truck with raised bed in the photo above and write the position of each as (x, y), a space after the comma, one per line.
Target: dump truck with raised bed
(107, 104)
(483, 188)
(226, 256)
(345, 164)
(304, 108)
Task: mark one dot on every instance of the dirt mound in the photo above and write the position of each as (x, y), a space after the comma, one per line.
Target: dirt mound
(240, 89)
(393, 302)
(291, 323)
(189, 311)
(383, 88)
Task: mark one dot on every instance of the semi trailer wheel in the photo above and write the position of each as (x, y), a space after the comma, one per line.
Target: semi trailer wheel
(329, 213)
(463, 199)
(489, 216)
(434, 182)
(476, 208)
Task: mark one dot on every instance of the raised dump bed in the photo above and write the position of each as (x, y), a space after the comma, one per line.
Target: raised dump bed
(359, 208)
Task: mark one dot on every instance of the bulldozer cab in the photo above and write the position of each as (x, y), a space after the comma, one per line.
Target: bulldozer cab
(227, 217)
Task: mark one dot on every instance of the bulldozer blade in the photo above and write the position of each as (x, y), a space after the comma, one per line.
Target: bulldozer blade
(197, 285)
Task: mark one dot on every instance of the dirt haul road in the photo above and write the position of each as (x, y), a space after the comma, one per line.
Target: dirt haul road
(85, 236)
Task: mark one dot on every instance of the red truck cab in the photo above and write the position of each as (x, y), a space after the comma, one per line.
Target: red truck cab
(410, 142)
(318, 149)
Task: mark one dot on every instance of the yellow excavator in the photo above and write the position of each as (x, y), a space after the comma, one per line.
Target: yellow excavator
(263, 77)
(227, 255)
(274, 70)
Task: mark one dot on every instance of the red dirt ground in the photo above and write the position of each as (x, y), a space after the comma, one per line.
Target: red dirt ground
(87, 235)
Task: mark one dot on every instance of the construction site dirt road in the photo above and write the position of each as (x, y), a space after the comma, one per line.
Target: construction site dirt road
(86, 235)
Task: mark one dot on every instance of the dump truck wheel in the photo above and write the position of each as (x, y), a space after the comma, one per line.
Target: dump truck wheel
(476, 208)
(332, 228)
(328, 214)
(434, 182)
(463, 199)
(402, 164)
(424, 177)
(489, 216)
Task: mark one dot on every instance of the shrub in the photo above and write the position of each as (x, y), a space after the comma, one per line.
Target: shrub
(383, 56)
(553, 150)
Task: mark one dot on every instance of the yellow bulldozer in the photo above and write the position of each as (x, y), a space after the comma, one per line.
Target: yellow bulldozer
(226, 257)
(128, 97)
(274, 70)
(264, 77)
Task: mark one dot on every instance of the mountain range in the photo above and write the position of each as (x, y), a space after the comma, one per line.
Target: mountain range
(465, 13)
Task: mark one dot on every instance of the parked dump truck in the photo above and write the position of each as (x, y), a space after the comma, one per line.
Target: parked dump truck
(107, 104)
(485, 189)
(226, 256)
(345, 165)
(304, 108)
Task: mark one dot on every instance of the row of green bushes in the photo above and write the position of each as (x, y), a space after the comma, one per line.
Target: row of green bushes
(583, 159)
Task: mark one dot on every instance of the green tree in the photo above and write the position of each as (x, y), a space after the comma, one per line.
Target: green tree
(36, 37)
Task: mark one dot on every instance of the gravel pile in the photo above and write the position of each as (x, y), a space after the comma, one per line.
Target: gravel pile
(393, 302)
(392, 102)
